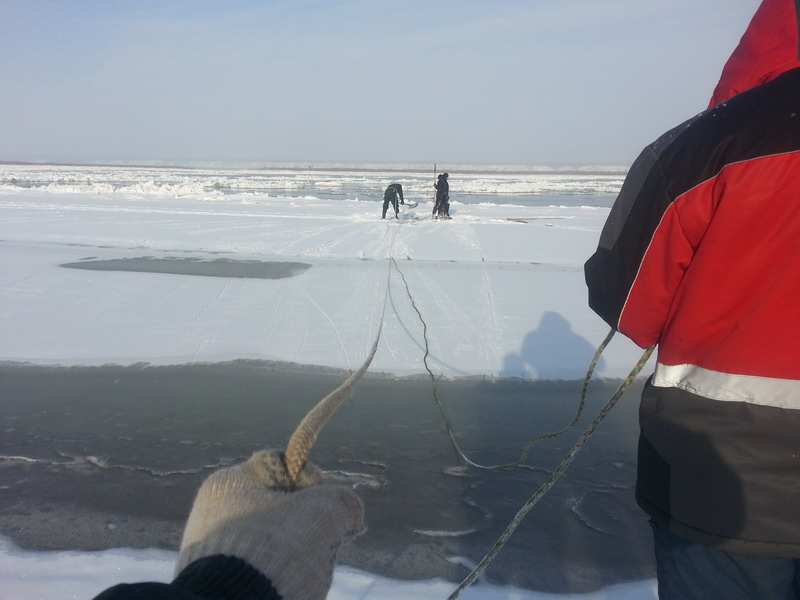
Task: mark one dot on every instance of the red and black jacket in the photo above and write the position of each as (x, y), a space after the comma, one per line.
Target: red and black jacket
(701, 255)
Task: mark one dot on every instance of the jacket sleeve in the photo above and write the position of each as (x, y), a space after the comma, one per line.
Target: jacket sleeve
(631, 279)
(208, 578)
(146, 591)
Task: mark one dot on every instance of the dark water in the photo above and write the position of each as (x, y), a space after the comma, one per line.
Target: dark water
(105, 457)
(217, 267)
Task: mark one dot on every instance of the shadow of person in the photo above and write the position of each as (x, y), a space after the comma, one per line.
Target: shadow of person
(552, 351)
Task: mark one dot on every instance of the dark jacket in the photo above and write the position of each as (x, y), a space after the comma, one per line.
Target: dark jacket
(209, 578)
(442, 189)
(700, 254)
(393, 191)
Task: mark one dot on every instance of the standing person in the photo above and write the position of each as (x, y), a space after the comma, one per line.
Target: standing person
(701, 255)
(441, 207)
(390, 196)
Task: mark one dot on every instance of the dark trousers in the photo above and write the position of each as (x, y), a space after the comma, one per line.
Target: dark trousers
(690, 571)
(393, 201)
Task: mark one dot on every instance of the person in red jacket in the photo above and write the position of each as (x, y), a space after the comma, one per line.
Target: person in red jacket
(701, 255)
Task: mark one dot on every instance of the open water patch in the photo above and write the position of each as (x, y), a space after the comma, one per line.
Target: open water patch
(203, 267)
(112, 456)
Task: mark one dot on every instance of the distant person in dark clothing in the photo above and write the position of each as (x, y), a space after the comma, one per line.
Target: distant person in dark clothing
(442, 206)
(392, 195)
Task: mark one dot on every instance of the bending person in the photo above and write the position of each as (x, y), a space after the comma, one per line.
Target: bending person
(393, 193)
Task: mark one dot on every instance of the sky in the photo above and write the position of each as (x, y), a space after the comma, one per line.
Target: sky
(522, 82)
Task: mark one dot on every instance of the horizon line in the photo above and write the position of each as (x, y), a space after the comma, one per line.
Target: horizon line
(307, 166)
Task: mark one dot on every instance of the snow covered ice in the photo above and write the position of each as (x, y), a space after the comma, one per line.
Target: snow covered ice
(500, 287)
(487, 281)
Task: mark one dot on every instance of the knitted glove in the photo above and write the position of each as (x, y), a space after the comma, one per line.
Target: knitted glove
(290, 536)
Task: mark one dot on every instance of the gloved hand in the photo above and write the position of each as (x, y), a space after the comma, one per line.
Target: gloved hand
(290, 536)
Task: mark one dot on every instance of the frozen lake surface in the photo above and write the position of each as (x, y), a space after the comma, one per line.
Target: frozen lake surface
(159, 323)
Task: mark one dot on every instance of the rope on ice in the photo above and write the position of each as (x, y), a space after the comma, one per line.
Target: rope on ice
(304, 437)
(555, 475)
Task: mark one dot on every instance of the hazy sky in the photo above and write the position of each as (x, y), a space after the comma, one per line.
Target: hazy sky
(528, 82)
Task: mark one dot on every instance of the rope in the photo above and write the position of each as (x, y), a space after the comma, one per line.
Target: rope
(304, 437)
(545, 487)
(446, 419)
(306, 433)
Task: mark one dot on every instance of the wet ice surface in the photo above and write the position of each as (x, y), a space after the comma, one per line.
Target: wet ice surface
(218, 267)
(104, 457)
